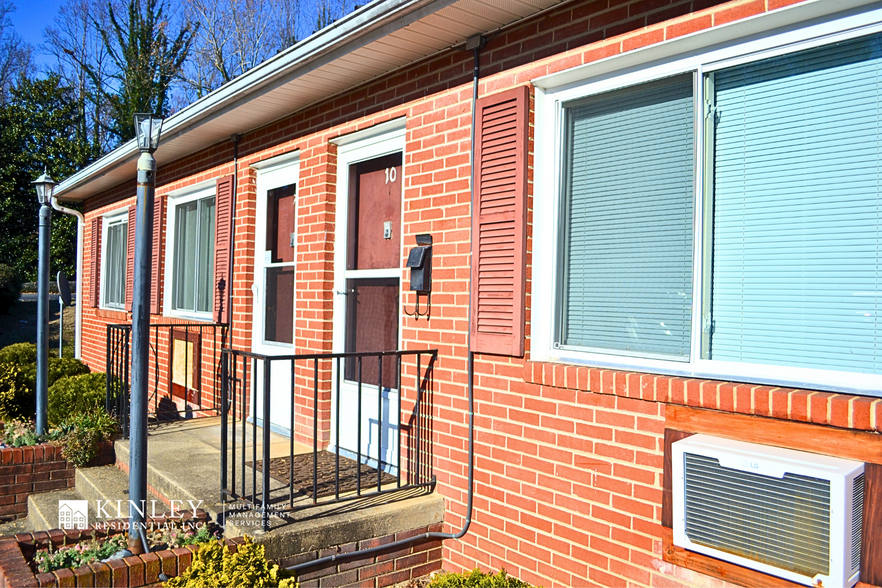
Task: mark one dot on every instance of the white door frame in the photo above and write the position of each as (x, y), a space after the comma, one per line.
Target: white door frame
(271, 173)
(384, 139)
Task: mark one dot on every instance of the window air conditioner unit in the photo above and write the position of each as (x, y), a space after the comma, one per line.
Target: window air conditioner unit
(791, 514)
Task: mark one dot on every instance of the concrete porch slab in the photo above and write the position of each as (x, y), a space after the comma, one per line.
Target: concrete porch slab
(183, 464)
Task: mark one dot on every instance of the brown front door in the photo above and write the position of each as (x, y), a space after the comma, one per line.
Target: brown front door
(373, 243)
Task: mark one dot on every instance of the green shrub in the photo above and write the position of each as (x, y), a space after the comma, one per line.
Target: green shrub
(476, 579)
(17, 399)
(17, 433)
(82, 433)
(65, 367)
(10, 288)
(75, 394)
(20, 353)
(214, 565)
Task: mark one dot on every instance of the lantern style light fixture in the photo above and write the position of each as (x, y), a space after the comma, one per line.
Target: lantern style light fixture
(147, 128)
(45, 186)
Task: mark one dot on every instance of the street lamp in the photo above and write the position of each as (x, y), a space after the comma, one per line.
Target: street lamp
(147, 129)
(45, 186)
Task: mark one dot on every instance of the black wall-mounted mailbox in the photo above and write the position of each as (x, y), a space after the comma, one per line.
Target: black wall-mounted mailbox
(419, 260)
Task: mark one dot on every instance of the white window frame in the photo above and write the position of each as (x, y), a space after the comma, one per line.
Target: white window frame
(112, 218)
(277, 172)
(781, 32)
(175, 199)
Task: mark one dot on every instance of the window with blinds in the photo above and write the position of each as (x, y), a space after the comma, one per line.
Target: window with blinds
(796, 277)
(192, 287)
(113, 291)
(790, 234)
(626, 268)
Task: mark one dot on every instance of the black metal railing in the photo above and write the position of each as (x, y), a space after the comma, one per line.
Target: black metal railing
(184, 376)
(323, 398)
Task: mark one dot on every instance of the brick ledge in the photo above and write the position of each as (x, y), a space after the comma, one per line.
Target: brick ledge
(808, 406)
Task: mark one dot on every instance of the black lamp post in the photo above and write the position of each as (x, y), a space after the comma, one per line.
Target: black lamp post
(45, 187)
(147, 128)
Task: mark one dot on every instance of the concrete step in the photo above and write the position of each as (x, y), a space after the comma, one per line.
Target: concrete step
(182, 473)
(43, 508)
(107, 490)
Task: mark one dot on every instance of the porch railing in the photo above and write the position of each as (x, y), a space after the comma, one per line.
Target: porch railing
(324, 401)
(184, 376)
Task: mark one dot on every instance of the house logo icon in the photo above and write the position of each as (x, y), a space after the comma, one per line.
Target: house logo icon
(73, 514)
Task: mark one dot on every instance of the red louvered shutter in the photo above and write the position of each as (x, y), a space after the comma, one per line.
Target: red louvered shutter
(223, 228)
(95, 263)
(156, 277)
(130, 258)
(499, 221)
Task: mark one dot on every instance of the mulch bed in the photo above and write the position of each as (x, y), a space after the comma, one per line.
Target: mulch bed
(280, 469)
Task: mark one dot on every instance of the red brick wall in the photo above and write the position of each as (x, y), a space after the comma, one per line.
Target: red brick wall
(34, 470)
(569, 460)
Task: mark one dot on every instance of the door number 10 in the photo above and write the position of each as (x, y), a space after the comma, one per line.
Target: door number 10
(390, 174)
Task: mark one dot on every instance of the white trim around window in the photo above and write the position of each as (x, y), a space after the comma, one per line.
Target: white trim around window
(114, 258)
(704, 57)
(189, 283)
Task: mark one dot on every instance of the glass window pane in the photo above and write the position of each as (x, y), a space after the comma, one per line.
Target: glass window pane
(279, 305)
(115, 265)
(372, 325)
(205, 256)
(797, 209)
(185, 256)
(626, 262)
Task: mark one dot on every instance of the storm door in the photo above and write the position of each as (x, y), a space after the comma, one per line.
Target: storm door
(366, 307)
(273, 288)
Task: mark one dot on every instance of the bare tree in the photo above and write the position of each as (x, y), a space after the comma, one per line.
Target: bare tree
(75, 40)
(15, 54)
(233, 36)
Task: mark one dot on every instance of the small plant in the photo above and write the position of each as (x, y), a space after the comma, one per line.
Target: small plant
(74, 394)
(476, 579)
(10, 287)
(214, 565)
(169, 537)
(23, 433)
(80, 554)
(82, 433)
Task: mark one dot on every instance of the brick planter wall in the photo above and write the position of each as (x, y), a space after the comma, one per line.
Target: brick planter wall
(136, 570)
(36, 469)
(383, 569)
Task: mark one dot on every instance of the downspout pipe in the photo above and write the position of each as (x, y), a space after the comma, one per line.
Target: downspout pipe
(81, 235)
(475, 43)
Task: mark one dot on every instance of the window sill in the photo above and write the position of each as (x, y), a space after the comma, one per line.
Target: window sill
(808, 406)
(112, 314)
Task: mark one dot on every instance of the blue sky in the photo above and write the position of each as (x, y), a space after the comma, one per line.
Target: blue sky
(30, 18)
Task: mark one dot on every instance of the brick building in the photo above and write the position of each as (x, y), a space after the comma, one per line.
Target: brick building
(707, 264)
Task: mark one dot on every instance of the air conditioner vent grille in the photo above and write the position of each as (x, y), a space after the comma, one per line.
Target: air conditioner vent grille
(857, 514)
(781, 522)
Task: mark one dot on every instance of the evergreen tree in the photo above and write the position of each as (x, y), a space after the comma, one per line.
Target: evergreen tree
(38, 129)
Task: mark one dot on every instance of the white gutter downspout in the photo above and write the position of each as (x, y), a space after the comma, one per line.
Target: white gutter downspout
(81, 226)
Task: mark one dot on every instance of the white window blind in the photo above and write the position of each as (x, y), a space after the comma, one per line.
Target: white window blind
(796, 276)
(626, 263)
(114, 291)
(194, 255)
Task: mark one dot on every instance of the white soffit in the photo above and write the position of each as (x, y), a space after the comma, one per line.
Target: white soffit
(380, 37)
